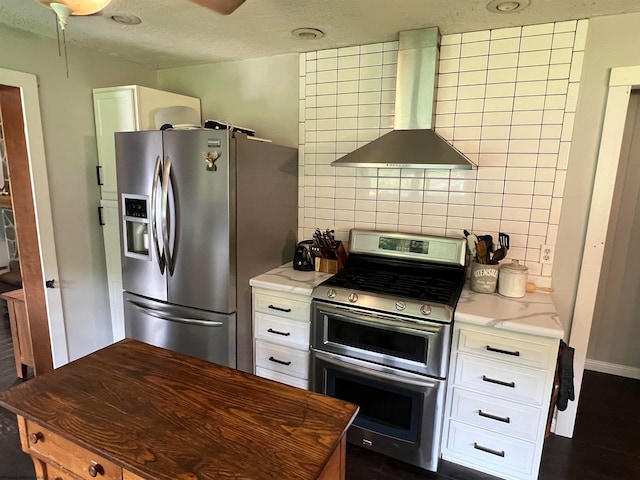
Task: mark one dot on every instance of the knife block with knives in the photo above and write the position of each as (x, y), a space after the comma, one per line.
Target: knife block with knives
(331, 259)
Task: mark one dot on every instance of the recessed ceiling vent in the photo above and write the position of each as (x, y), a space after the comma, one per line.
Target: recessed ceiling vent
(412, 143)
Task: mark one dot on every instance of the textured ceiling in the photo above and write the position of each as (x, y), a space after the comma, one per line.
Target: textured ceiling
(177, 33)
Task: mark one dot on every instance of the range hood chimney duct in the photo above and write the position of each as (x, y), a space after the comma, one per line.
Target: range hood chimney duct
(412, 143)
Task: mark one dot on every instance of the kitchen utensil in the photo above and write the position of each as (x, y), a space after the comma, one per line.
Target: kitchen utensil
(498, 255)
(503, 239)
(488, 241)
(472, 241)
(532, 287)
(481, 252)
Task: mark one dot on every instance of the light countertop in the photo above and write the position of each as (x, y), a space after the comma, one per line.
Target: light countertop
(285, 279)
(534, 313)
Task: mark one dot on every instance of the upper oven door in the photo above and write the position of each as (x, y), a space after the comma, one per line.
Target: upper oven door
(395, 341)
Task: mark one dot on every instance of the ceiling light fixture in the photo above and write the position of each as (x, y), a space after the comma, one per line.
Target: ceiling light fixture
(126, 19)
(307, 33)
(507, 6)
(65, 8)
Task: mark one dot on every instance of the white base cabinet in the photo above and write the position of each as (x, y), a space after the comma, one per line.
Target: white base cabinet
(282, 331)
(123, 109)
(498, 399)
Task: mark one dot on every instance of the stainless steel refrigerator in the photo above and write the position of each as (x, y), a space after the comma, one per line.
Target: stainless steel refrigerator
(202, 211)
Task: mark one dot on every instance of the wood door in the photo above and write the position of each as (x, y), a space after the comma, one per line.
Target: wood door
(26, 228)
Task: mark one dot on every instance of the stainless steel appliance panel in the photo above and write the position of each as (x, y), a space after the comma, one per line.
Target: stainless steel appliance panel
(413, 345)
(201, 220)
(138, 155)
(206, 335)
(400, 412)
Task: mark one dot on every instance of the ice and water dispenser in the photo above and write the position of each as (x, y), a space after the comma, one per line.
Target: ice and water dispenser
(136, 226)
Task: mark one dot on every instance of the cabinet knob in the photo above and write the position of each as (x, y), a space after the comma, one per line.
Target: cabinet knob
(36, 437)
(95, 469)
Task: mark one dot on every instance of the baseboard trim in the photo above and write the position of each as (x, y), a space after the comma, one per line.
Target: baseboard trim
(612, 368)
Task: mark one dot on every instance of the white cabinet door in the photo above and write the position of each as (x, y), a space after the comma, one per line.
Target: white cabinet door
(115, 110)
(111, 236)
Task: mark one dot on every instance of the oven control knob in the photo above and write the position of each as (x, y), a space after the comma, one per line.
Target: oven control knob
(331, 293)
(400, 305)
(425, 310)
(353, 297)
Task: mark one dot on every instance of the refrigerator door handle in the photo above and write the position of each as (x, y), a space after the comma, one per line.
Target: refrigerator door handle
(166, 216)
(154, 202)
(174, 318)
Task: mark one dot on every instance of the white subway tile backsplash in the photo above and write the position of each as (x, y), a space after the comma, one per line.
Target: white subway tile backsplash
(502, 75)
(530, 30)
(450, 51)
(563, 40)
(506, 98)
(506, 45)
(474, 49)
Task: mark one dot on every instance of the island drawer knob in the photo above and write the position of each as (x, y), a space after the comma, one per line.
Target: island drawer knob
(36, 437)
(95, 469)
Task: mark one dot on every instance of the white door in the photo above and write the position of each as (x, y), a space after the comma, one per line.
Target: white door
(28, 85)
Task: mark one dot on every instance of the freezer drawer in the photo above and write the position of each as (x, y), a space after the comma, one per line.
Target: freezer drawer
(199, 333)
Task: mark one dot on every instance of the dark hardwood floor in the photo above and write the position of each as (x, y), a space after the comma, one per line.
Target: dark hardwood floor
(606, 444)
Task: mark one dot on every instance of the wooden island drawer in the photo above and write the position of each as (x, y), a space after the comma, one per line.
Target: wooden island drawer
(53, 448)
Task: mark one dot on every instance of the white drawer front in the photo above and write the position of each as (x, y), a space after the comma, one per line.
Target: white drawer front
(282, 378)
(500, 379)
(282, 359)
(282, 307)
(508, 347)
(491, 450)
(282, 330)
(495, 414)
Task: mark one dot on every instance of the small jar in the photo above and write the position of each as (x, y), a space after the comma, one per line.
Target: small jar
(513, 280)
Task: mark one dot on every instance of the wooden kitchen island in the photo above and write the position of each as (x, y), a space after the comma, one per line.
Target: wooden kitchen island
(132, 411)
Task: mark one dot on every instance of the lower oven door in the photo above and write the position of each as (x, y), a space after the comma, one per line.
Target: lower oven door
(400, 413)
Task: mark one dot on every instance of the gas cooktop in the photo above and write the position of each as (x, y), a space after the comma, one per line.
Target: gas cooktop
(413, 275)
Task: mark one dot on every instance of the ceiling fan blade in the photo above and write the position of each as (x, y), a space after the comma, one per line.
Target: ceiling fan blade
(225, 7)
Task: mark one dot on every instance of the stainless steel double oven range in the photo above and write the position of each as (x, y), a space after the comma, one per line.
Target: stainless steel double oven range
(381, 337)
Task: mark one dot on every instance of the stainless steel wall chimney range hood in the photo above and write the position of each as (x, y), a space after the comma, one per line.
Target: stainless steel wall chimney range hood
(412, 143)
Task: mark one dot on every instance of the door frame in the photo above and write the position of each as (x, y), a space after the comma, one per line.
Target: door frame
(621, 81)
(28, 85)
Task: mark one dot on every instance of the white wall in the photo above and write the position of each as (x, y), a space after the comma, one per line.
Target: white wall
(506, 98)
(611, 42)
(261, 94)
(69, 137)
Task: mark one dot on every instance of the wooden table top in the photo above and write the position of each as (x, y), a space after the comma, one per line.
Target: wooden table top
(164, 415)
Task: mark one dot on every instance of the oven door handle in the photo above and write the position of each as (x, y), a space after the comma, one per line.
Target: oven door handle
(365, 318)
(392, 377)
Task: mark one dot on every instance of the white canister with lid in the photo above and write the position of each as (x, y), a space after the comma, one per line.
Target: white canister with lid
(513, 280)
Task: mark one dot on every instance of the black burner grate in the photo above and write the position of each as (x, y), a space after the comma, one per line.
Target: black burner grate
(439, 286)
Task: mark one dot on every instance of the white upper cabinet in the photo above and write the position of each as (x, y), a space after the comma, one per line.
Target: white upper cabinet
(127, 109)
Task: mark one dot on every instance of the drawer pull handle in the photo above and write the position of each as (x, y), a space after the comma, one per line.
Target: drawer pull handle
(505, 352)
(498, 453)
(280, 309)
(498, 382)
(284, 334)
(272, 359)
(95, 469)
(36, 437)
(494, 417)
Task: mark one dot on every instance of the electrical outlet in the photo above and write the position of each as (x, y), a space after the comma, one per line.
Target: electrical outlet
(546, 254)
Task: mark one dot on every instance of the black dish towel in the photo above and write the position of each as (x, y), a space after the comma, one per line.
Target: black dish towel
(565, 374)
